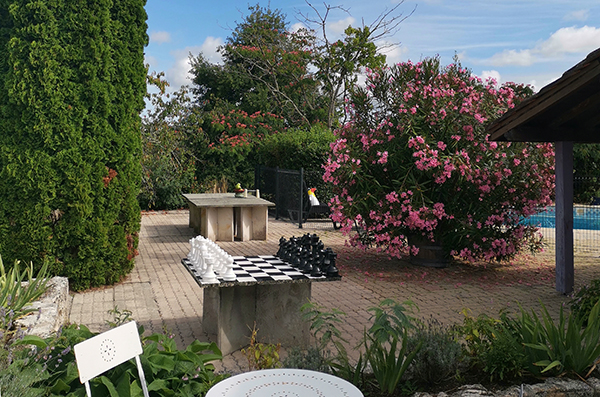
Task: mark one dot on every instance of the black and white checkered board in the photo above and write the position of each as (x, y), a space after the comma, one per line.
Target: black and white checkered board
(260, 268)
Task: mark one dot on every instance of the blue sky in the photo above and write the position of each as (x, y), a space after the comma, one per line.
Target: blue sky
(525, 41)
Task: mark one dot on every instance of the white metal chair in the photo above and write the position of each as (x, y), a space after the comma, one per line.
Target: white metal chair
(107, 350)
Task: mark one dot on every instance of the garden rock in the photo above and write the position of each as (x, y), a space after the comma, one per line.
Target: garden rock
(553, 387)
(54, 306)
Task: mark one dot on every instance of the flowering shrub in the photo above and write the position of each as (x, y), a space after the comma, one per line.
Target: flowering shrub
(227, 145)
(415, 161)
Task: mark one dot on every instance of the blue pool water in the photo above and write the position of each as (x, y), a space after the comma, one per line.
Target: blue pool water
(584, 217)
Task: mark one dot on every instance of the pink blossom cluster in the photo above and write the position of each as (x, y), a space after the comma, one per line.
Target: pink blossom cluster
(415, 160)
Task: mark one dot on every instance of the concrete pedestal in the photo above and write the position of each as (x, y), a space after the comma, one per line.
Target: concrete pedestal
(229, 314)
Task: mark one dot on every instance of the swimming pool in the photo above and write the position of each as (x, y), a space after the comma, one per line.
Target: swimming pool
(584, 217)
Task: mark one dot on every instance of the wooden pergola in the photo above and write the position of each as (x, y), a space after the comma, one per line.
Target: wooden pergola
(565, 111)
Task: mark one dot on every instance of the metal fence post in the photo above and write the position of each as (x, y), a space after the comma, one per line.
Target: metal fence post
(277, 193)
(300, 215)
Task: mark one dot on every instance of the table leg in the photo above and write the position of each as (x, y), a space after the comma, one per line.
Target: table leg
(260, 223)
(278, 315)
(244, 223)
(229, 314)
(217, 223)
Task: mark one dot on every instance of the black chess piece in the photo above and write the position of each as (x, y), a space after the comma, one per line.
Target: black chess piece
(331, 270)
(315, 263)
(282, 244)
(296, 259)
(305, 262)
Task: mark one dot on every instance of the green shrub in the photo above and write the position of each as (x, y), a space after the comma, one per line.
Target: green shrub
(260, 355)
(565, 347)
(584, 299)
(493, 346)
(440, 356)
(226, 146)
(168, 163)
(17, 290)
(323, 324)
(386, 344)
(50, 368)
(72, 84)
(312, 358)
(300, 148)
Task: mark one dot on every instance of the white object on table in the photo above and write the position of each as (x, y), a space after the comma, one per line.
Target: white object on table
(284, 382)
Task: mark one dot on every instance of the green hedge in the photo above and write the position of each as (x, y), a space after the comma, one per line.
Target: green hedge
(72, 82)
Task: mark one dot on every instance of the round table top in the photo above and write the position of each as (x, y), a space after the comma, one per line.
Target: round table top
(284, 382)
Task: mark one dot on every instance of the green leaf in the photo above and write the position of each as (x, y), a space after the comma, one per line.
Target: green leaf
(31, 340)
(109, 385)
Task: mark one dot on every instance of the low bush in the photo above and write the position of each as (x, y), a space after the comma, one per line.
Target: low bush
(584, 299)
(386, 349)
(17, 290)
(558, 348)
(492, 346)
(49, 368)
(440, 357)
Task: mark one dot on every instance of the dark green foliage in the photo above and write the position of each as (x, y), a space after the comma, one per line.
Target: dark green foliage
(295, 148)
(168, 164)
(494, 346)
(312, 358)
(440, 357)
(586, 172)
(300, 148)
(50, 368)
(226, 146)
(72, 82)
(584, 299)
(557, 348)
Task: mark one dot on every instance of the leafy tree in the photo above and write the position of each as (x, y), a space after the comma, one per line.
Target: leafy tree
(266, 69)
(72, 84)
(168, 163)
(338, 63)
(302, 76)
(226, 147)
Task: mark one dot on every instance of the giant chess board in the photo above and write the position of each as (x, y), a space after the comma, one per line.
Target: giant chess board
(259, 269)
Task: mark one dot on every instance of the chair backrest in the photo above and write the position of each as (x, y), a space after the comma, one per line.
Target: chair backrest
(107, 350)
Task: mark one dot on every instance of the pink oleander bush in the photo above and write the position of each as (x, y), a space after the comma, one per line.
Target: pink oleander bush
(415, 161)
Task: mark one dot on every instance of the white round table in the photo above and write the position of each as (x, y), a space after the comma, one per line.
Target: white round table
(284, 382)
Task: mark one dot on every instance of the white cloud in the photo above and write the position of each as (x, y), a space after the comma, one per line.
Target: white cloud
(491, 74)
(209, 49)
(571, 40)
(179, 73)
(160, 37)
(150, 60)
(340, 26)
(394, 52)
(512, 57)
(297, 26)
(579, 15)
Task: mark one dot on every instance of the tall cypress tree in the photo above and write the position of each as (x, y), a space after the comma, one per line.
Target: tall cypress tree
(72, 82)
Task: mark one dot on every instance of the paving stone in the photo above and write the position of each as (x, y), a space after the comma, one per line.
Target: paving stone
(161, 293)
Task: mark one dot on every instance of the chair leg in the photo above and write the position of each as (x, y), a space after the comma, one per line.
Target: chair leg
(142, 377)
(87, 389)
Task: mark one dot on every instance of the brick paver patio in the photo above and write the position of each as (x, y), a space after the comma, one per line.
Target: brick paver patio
(162, 295)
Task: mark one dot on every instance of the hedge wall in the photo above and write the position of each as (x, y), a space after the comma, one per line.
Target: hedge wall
(72, 83)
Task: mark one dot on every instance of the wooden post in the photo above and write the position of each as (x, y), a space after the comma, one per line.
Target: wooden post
(564, 217)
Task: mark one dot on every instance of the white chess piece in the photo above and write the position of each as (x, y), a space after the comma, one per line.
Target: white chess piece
(229, 274)
(209, 276)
